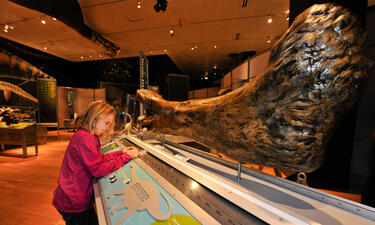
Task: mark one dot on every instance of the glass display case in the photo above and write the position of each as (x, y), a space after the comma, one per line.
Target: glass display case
(18, 127)
(17, 116)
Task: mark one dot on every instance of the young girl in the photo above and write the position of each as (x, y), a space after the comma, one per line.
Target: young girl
(73, 197)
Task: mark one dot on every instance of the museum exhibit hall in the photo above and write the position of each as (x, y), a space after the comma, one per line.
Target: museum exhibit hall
(140, 112)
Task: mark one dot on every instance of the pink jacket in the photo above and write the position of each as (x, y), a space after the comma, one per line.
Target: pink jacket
(82, 162)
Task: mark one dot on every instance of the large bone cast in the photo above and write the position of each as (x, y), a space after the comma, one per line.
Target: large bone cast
(284, 117)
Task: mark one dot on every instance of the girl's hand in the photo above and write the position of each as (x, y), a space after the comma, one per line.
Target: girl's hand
(132, 151)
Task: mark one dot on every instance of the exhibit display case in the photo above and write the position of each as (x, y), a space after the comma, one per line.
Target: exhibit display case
(18, 134)
(19, 107)
(170, 176)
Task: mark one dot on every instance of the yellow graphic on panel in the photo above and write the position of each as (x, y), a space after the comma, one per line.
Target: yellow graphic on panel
(178, 220)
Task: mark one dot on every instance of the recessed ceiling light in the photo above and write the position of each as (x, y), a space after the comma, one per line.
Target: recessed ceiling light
(215, 46)
(171, 32)
(270, 19)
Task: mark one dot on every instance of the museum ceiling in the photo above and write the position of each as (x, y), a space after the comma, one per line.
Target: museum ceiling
(205, 32)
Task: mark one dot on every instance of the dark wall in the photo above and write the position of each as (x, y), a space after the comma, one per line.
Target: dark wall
(363, 158)
(159, 68)
(178, 87)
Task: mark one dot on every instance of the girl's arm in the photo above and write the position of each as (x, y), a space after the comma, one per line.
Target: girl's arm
(131, 151)
(112, 155)
(94, 162)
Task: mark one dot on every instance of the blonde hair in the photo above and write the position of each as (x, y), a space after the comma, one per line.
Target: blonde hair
(95, 111)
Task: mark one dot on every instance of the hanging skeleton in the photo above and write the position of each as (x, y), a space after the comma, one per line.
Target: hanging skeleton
(69, 12)
(8, 87)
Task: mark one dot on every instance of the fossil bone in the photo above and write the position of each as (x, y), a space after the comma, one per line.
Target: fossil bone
(8, 87)
(284, 117)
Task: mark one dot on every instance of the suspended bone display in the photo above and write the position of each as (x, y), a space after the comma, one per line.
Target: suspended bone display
(11, 65)
(284, 117)
(8, 87)
(69, 12)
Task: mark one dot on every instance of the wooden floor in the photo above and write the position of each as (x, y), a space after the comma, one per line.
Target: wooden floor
(27, 184)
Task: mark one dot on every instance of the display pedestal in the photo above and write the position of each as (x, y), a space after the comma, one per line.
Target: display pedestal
(19, 134)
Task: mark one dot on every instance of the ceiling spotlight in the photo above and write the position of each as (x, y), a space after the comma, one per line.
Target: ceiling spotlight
(100, 55)
(165, 50)
(268, 39)
(81, 56)
(7, 28)
(287, 15)
(139, 4)
(54, 18)
(215, 46)
(45, 48)
(161, 5)
(192, 48)
(270, 19)
(42, 20)
(171, 32)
